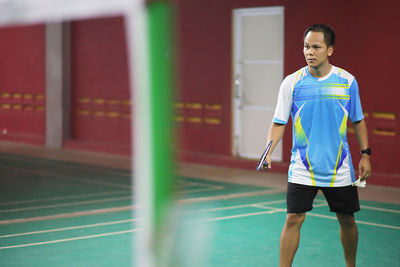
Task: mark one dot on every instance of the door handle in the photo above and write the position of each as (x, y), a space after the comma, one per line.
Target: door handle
(237, 86)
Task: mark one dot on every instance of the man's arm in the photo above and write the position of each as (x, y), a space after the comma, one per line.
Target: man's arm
(364, 167)
(276, 131)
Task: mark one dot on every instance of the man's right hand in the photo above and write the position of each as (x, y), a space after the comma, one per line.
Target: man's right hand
(268, 161)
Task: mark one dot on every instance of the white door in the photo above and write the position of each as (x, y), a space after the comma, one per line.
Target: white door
(258, 73)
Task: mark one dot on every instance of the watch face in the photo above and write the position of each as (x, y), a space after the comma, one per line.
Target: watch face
(366, 151)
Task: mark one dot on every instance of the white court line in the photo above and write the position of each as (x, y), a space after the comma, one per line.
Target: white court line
(183, 201)
(97, 194)
(68, 215)
(209, 220)
(94, 201)
(379, 225)
(245, 215)
(214, 188)
(357, 221)
(59, 176)
(380, 209)
(240, 206)
(274, 210)
(93, 181)
(182, 181)
(257, 205)
(230, 196)
(187, 183)
(263, 206)
(131, 207)
(70, 239)
(372, 208)
(80, 203)
(205, 186)
(100, 224)
(63, 198)
(69, 228)
(309, 213)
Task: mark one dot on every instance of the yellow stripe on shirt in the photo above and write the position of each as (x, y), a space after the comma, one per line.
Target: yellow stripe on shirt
(337, 162)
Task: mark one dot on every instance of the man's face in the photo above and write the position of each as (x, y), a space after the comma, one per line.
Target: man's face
(315, 50)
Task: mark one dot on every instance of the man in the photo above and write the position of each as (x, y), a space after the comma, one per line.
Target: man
(320, 98)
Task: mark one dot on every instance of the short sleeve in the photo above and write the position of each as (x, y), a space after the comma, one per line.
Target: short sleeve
(284, 103)
(355, 109)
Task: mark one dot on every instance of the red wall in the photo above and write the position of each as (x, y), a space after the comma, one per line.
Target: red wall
(100, 104)
(367, 43)
(22, 83)
(205, 53)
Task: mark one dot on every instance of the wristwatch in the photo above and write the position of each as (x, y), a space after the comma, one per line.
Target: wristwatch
(366, 151)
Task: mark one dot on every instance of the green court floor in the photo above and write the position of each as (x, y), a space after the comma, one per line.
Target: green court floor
(55, 213)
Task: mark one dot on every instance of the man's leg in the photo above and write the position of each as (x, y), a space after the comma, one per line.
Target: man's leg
(349, 237)
(290, 238)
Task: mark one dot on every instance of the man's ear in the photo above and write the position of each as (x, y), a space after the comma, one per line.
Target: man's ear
(330, 51)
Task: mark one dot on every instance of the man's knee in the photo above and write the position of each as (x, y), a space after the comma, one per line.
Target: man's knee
(346, 220)
(294, 220)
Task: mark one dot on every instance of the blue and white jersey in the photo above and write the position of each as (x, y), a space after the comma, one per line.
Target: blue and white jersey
(320, 108)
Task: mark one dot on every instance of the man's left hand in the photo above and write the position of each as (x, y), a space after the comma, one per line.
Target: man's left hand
(364, 167)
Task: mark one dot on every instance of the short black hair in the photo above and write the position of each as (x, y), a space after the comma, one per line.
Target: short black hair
(329, 33)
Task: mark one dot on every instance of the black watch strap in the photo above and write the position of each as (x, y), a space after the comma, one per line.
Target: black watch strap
(366, 151)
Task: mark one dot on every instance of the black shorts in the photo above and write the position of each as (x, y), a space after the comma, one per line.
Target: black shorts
(299, 198)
